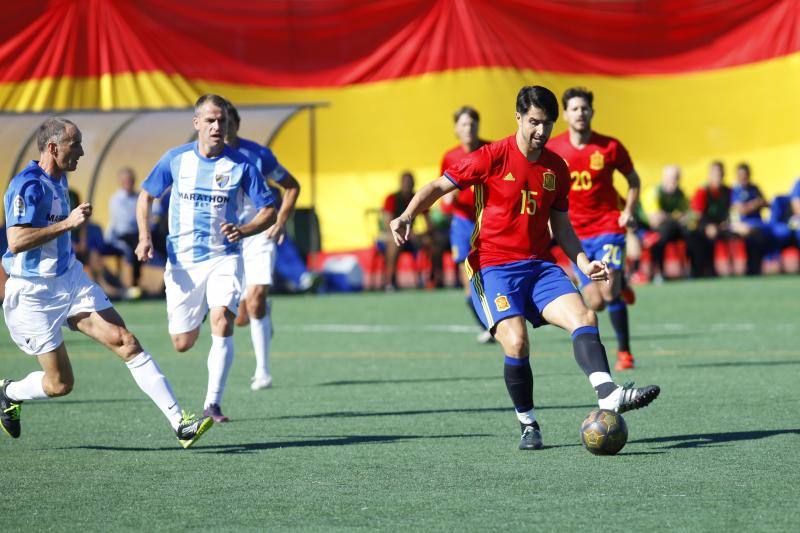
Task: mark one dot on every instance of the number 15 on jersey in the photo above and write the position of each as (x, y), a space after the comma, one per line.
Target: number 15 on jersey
(528, 202)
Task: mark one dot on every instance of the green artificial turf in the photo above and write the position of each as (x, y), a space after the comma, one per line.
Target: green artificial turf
(386, 415)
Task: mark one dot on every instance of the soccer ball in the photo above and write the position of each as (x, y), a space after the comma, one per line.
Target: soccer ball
(604, 432)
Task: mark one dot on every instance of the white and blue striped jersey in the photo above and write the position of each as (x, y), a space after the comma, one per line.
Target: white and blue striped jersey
(206, 193)
(38, 200)
(266, 162)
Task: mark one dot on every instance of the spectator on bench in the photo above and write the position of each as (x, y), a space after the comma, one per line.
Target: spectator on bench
(746, 205)
(711, 206)
(669, 215)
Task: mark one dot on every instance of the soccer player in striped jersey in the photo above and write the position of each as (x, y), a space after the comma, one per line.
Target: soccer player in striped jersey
(460, 204)
(594, 210)
(204, 252)
(259, 251)
(520, 187)
(48, 289)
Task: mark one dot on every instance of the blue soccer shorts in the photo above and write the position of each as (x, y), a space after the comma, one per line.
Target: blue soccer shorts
(609, 248)
(522, 288)
(460, 236)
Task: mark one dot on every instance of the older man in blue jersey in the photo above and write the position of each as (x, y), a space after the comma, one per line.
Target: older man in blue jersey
(204, 255)
(48, 289)
(259, 251)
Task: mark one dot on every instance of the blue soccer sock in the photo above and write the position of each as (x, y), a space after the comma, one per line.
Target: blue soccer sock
(618, 313)
(591, 357)
(519, 383)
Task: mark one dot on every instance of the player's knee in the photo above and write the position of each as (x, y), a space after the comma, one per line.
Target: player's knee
(594, 301)
(182, 344)
(516, 346)
(256, 303)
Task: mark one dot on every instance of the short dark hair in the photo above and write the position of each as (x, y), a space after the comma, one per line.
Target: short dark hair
(719, 164)
(51, 130)
(471, 112)
(577, 92)
(215, 99)
(233, 113)
(540, 97)
(744, 166)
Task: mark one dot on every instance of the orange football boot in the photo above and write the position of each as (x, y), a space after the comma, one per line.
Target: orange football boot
(624, 361)
(627, 295)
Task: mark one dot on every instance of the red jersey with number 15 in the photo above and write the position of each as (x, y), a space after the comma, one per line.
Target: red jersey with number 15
(513, 198)
(593, 200)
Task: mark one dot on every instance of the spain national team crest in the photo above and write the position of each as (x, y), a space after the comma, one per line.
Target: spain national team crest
(549, 181)
(222, 179)
(596, 161)
(501, 302)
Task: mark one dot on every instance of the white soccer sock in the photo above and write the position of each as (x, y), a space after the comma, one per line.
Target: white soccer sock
(220, 359)
(261, 334)
(31, 387)
(527, 418)
(147, 374)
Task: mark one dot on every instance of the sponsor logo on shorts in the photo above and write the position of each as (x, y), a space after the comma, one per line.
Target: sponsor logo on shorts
(549, 181)
(596, 161)
(501, 302)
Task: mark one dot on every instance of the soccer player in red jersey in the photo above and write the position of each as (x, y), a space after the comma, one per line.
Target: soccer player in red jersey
(520, 188)
(460, 204)
(594, 210)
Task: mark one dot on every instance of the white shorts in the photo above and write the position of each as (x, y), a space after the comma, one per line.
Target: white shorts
(259, 260)
(194, 289)
(35, 309)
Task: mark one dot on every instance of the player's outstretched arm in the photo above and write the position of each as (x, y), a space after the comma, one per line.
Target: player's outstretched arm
(291, 190)
(144, 250)
(626, 217)
(422, 201)
(24, 238)
(566, 238)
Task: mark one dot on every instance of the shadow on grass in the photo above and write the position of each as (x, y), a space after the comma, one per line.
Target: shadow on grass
(56, 402)
(415, 412)
(712, 439)
(395, 381)
(496, 377)
(344, 440)
(742, 363)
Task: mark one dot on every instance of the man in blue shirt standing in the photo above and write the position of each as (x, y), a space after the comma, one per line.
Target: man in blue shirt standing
(204, 254)
(48, 289)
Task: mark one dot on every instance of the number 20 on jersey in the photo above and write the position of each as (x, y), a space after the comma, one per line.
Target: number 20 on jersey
(581, 181)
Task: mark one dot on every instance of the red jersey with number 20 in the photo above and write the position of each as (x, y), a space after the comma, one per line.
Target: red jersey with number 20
(594, 206)
(513, 198)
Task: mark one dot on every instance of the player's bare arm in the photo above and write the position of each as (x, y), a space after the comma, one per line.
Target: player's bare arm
(291, 190)
(24, 238)
(626, 217)
(264, 217)
(566, 238)
(144, 250)
(422, 201)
